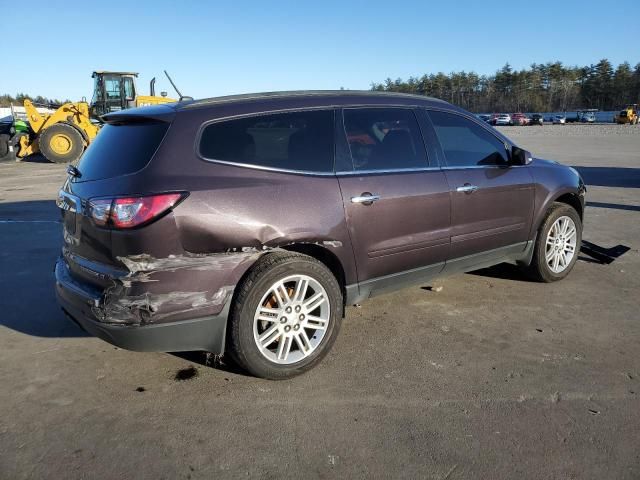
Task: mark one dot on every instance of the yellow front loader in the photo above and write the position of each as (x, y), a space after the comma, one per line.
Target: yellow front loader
(64, 135)
(630, 115)
(61, 136)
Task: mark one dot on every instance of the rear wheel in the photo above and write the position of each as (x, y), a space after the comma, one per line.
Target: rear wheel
(557, 244)
(285, 317)
(61, 143)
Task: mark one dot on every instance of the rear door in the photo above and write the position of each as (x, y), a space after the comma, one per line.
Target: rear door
(491, 201)
(396, 202)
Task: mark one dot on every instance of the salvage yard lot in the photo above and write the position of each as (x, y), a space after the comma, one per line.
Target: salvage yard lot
(492, 376)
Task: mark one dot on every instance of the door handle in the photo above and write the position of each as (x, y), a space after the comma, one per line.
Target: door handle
(366, 198)
(467, 188)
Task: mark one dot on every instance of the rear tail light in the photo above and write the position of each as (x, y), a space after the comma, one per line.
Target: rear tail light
(130, 212)
(100, 209)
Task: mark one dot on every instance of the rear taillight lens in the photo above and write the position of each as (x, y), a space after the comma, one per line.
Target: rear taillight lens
(100, 209)
(129, 212)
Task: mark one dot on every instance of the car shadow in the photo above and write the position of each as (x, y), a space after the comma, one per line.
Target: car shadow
(505, 271)
(31, 237)
(610, 176)
(615, 206)
(35, 158)
(508, 271)
(218, 362)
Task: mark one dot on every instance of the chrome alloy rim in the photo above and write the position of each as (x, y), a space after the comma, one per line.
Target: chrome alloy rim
(561, 244)
(291, 319)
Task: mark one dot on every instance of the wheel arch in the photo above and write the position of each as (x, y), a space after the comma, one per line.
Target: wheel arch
(573, 200)
(325, 256)
(318, 252)
(567, 196)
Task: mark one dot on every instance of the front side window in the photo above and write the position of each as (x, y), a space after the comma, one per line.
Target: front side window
(384, 139)
(301, 141)
(465, 143)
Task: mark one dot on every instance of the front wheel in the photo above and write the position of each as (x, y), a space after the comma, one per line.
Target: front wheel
(285, 317)
(61, 143)
(557, 244)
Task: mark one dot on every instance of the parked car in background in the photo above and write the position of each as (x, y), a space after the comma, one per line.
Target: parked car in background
(245, 224)
(536, 119)
(503, 119)
(484, 117)
(519, 119)
(559, 119)
(493, 118)
(588, 117)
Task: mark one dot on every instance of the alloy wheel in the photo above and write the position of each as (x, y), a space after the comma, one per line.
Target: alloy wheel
(561, 244)
(291, 319)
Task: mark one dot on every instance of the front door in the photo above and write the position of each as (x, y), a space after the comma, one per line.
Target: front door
(396, 204)
(491, 201)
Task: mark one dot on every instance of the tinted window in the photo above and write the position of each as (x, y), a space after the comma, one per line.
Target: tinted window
(384, 139)
(466, 143)
(292, 141)
(121, 149)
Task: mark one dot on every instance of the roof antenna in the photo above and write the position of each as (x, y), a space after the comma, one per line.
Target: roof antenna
(182, 98)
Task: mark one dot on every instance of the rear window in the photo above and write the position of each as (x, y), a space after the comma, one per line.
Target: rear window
(121, 149)
(301, 141)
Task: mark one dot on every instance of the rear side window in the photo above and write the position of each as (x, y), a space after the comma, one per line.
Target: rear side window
(121, 149)
(465, 143)
(301, 141)
(384, 139)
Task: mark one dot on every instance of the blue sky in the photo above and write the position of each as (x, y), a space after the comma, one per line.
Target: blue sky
(217, 48)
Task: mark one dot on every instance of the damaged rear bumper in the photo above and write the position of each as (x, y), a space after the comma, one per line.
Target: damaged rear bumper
(77, 301)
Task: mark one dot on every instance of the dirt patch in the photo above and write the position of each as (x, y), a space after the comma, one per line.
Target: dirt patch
(186, 374)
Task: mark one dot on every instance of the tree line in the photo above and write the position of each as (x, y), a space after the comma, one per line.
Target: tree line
(7, 100)
(548, 87)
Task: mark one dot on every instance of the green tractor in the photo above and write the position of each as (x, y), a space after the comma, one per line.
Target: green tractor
(10, 128)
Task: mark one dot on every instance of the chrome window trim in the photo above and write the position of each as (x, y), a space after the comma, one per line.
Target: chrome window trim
(390, 170)
(476, 167)
(268, 169)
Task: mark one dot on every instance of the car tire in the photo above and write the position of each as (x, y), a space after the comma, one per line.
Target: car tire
(61, 143)
(269, 334)
(557, 244)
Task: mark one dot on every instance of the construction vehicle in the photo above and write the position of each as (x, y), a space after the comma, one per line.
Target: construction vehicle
(628, 115)
(64, 135)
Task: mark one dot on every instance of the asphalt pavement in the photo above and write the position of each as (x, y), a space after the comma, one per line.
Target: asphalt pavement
(492, 376)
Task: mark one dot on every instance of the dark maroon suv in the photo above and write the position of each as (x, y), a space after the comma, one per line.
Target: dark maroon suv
(245, 224)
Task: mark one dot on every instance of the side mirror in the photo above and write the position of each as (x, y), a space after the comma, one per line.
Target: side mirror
(520, 156)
